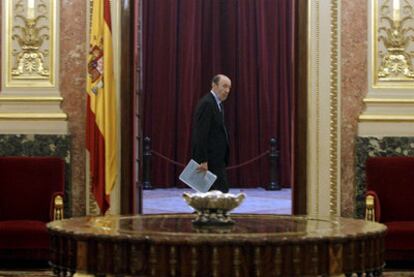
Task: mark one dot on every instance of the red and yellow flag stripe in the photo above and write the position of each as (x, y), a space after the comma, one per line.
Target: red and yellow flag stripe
(101, 125)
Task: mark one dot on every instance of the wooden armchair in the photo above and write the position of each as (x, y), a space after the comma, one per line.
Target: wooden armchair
(389, 200)
(31, 194)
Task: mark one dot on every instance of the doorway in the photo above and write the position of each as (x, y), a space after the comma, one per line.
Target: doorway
(135, 103)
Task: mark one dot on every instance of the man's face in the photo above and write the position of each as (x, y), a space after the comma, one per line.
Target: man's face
(222, 89)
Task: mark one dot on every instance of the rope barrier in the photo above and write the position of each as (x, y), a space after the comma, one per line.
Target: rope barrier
(166, 158)
(249, 161)
(228, 168)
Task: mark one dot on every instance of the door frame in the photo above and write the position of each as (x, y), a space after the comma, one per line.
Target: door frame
(131, 107)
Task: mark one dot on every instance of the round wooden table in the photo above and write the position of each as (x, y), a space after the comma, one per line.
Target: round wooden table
(256, 245)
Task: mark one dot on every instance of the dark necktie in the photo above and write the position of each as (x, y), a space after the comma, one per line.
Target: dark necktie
(222, 117)
(222, 110)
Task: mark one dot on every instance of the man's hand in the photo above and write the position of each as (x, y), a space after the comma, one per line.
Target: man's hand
(203, 167)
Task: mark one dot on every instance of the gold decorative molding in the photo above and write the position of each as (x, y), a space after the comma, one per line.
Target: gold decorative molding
(317, 91)
(33, 116)
(386, 118)
(388, 101)
(323, 132)
(29, 43)
(31, 99)
(333, 111)
(313, 76)
(392, 53)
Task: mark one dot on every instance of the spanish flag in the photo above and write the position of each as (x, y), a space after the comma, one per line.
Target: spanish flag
(101, 125)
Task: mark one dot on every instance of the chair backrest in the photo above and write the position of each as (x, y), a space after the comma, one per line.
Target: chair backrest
(27, 185)
(392, 178)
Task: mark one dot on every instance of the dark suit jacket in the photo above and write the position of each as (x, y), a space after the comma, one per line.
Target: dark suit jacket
(209, 135)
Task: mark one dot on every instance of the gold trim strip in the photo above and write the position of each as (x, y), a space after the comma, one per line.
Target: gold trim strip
(387, 118)
(318, 99)
(31, 99)
(334, 91)
(313, 77)
(407, 85)
(373, 47)
(388, 101)
(33, 116)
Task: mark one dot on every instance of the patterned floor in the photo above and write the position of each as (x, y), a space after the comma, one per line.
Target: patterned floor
(257, 200)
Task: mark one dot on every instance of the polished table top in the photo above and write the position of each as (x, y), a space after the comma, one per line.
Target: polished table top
(334, 245)
(180, 225)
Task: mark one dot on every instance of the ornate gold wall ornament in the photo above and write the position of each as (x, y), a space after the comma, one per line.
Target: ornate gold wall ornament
(29, 43)
(30, 60)
(394, 38)
(30, 32)
(389, 103)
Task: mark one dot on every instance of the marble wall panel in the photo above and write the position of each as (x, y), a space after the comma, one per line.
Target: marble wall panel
(73, 45)
(354, 87)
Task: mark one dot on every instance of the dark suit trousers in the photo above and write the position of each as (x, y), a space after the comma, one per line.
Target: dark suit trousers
(221, 182)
